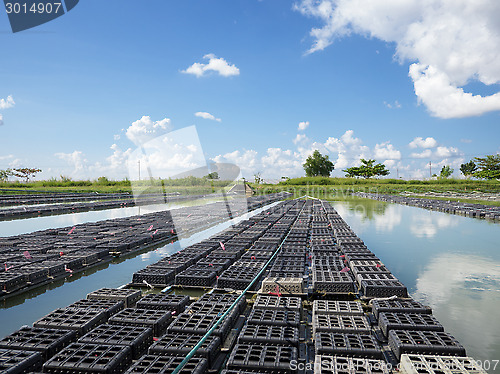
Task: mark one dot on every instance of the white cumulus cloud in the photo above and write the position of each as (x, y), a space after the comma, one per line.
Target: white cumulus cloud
(303, 125)
(144, 129)
(424, 154)
(206, 115)
(386, 151)
(420, 142)
(448, 43)
(214, 64)
(7, 103)
(299, 138)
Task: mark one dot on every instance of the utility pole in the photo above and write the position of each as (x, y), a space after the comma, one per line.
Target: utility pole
(430, 169)
(139, 162)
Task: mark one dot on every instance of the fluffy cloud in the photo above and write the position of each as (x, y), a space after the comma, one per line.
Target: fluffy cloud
(303, 125)
(214, 64)
(144, 129)
(77, 161)
(420, 142)
(448, 152)
(7, 103)
(449, 43)
(246, 160)
(386, 151)
(299, 138)
(424, 154)
(206, 115)
(348, 148)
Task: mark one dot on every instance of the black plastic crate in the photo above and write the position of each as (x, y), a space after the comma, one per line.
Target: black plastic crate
(35, 274)
(378, 288)
(275, 302)
(337, 307)
(384, 277)
(80, 358)
(349, 365)
(237, 279)
(154, 276)
(213, 261)
(18, 362)
(46, 341)
(196, 278)
(199, 324)
(354, 345)
(265, 358)
(277, 317)
(129, 297)
(160, 301)
(109, 306)
(80, 320)
(11, 281)
(399, 306)
(424, 342)
(182, 344)
(332, 282)
(340, 323)
(137, 338)
(157, 320)
(153, 364)
(269, 335)
(408, 321)
(224, 298)
(200, 307)
(259, 255)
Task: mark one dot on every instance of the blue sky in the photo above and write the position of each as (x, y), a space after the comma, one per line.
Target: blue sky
(78, 84)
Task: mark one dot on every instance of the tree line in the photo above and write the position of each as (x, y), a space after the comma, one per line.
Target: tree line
(23, 173)
(318, 165)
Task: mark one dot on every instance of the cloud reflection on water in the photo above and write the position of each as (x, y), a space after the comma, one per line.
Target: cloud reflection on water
(464, 292)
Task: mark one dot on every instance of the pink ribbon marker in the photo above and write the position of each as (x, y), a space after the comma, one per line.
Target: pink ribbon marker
(222, 246)
(27, 255)
(150, 228)
(378, 265)
(7, 268)
(345, 270)
(71, 231)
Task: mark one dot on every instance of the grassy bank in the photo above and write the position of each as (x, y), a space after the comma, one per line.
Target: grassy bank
(324, 188)
(188, 186)
(341, 188)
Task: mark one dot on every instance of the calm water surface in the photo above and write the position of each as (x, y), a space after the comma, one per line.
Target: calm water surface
(449, 262)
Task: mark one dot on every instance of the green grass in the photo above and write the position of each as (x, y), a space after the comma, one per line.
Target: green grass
(189, 185)
(341, 188)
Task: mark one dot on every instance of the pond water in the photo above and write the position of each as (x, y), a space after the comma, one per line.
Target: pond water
(449, 262)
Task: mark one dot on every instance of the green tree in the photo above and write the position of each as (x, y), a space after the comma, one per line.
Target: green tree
(5, 174)
(446, 172)
(258, 178)
(367, 169)
(212, 175)
(468, 168)
(318, 165)
(25, 173)
(488, 167)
